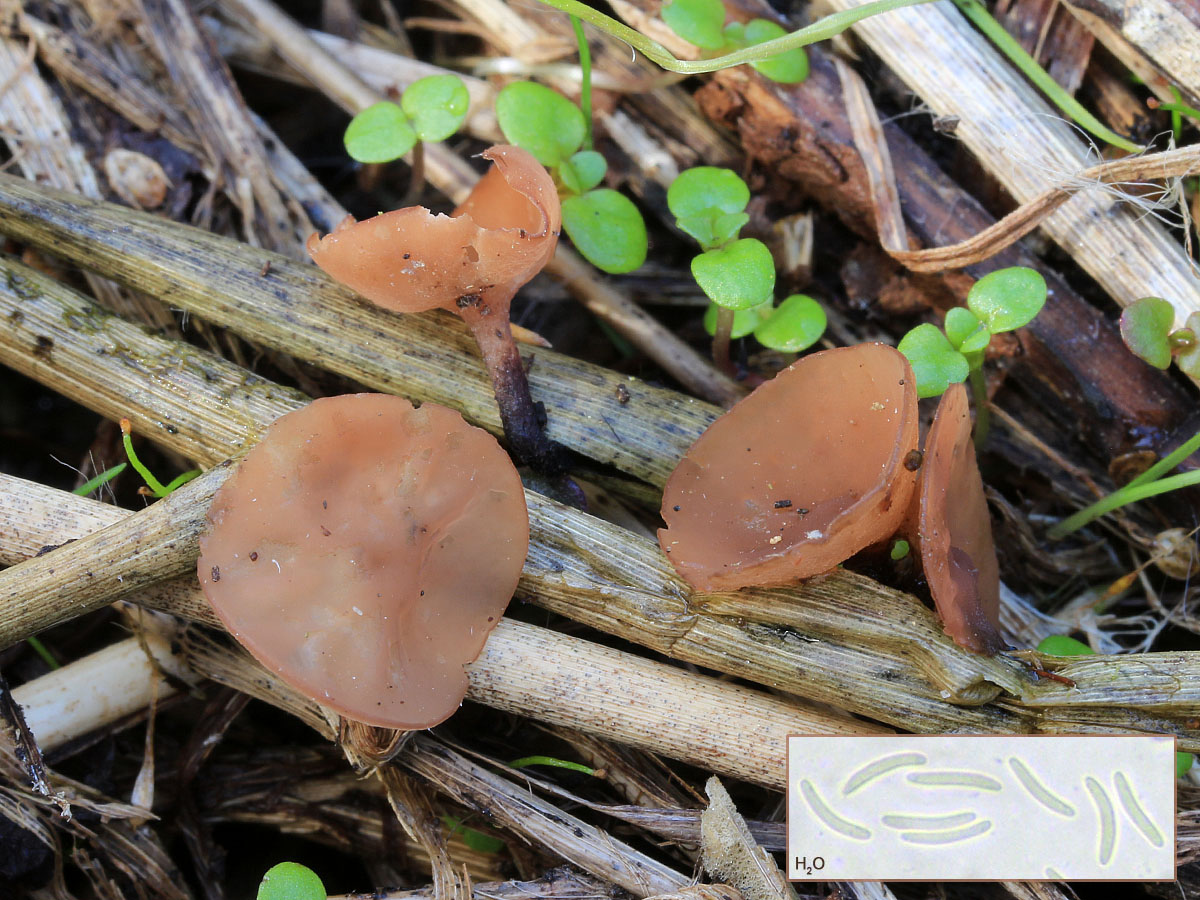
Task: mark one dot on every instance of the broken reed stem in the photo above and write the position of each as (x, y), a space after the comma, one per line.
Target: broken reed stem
(523, 669)
(97, 690)
(583, 568)
(296, 308)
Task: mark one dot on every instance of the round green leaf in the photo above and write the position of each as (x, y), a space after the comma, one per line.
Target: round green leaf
(379, 134)
(796, 325)
(1062, 645)
(705, 190)
(1189, 360)
(737, 276)
(540, 120)
(789, 67)
(744, 320)
(1007, 299)
(607, 229)
(291, 881)
(697, 21)
(966, 333)
(900, 549)
(583, 171)
(437, 105)
(935, 362)
(1183, 762)
(1145, 328)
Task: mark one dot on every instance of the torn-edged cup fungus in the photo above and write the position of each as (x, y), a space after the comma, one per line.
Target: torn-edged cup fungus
(953, 531)
(471, 263)
(364, 550)
(806, 471)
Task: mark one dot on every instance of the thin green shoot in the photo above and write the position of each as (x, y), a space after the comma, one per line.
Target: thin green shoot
(821, 30)
(551, 761)
(585, 87)
(1168, 462)
(40, 649)
(157, 488)
(1007, 44)
(1123, 497)
(99, 480)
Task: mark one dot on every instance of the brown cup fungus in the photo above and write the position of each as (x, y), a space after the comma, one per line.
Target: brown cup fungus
(806, 471)
(471, 263)
(364, 550)
(954, 532)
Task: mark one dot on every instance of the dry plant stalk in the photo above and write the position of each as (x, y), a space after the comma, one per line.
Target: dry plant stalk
(521, 811)
(298, 309)
(386, 73)
(1023, 142)
(219, 115)
(39, 133)
(591, 571)
(523, 669)
(872, 146)
(1155, 38)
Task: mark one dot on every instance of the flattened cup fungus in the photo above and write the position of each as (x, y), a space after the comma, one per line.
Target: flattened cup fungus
(954, 532)
(794, 479)
(364, 550)
(471, 263)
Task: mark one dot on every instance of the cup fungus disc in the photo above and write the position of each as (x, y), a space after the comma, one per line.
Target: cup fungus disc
(797, 477)
(954, 533)
(410, 260)
(364, 550)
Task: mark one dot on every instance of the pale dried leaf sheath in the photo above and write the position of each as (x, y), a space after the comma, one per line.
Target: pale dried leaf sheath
(1021, 140)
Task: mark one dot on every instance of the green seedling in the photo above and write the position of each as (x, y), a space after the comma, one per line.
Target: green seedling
(153, 485)
(1004, 300)
(604, 225)
(900, 549)
(1147, 327)
(476, 840)
(291, 881)
(702, 22)
(431, 109)
(737, 274)
(1063, 645)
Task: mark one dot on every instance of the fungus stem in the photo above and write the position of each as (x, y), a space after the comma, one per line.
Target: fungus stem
(983, 415)
(416, 175)
(720, 343)
(526, 438)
